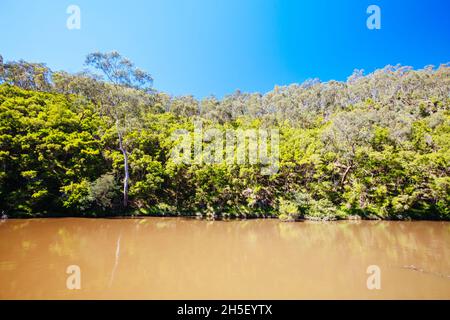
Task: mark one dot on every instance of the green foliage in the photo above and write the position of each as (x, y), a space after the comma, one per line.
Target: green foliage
(376, 146)
(324, 210)
(49, 146)
(104, 191)
(288, 210)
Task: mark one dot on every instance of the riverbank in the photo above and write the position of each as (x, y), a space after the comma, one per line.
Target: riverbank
(227, 217)
(384, 157)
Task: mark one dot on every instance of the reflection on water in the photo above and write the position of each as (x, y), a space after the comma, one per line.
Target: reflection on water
(171, 258)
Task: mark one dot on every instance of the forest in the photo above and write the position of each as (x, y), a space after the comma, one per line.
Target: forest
(98, 143)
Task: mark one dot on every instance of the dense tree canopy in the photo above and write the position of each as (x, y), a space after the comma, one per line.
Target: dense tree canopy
(375, 146)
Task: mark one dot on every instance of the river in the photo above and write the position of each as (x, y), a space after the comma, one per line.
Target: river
(177, 258)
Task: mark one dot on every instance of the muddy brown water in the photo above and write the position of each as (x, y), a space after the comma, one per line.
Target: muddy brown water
(176, 258)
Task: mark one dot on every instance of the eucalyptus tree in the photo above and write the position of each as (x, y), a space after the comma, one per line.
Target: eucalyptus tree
(348, 132)
(27, 75)
(186, 106)
(1, 68)
(83, 84)
(125, 88)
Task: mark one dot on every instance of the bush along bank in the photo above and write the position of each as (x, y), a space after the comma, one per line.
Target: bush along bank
(374, 147)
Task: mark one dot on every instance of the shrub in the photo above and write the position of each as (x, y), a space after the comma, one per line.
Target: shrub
(323, 210)
(288, 210)
(103, 191)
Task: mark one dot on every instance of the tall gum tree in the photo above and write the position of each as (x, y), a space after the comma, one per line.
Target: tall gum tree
(124, 84)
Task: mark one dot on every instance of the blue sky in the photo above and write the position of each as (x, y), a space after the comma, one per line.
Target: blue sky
(204, 47)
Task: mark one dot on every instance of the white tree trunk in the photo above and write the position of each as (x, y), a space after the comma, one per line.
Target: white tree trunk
(125, 164)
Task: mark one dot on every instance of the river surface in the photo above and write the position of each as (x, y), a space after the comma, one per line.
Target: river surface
(176, 258)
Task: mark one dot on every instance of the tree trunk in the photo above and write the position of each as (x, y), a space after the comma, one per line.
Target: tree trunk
(347, 170)
(125, 164)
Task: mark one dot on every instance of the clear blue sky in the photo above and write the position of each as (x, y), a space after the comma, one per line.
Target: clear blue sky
(204, 47)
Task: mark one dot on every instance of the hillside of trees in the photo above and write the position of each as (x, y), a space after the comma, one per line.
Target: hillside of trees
(98, 143)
